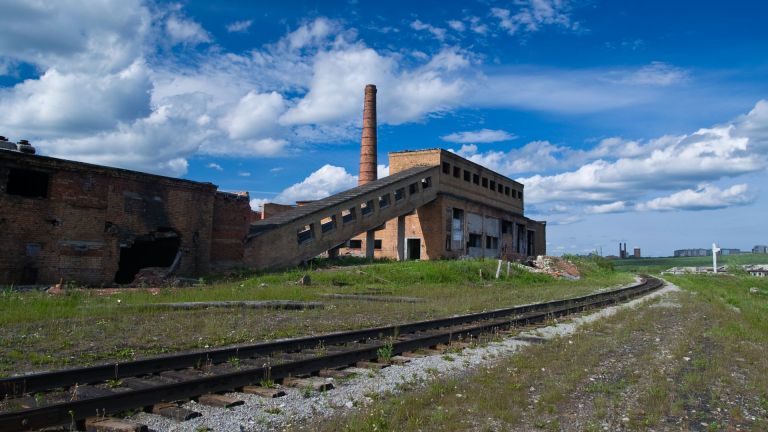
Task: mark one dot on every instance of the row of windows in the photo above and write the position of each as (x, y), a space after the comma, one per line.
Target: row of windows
(486, 183)
(328, 223)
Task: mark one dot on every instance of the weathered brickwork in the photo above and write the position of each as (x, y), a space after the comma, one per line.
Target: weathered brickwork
(231, 219)
(79, 222)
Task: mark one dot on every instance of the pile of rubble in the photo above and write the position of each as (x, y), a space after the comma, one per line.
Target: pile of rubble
(160, 277)
(693, 270)
(553, 266)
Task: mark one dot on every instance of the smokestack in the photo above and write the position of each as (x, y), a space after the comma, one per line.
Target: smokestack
(368, 142)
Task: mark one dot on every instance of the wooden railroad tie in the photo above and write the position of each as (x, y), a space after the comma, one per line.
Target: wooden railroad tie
(218, 400)
(267, 392)
(111, 424)
(174, 411)
(316, 384)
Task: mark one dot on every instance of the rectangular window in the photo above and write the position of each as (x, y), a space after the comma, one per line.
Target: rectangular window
(514, 193)
(328, 224)
(413, 188)
(27, 183)
(426, 183)
(506, 190)
(446, 168)
(485, 182)
(476, 179)
(520, 194)
(447, 242)
(500, 188)
(475, 240)
(506, 227)
(491, 242)
(384, 201)
(456, 172)
(355, 244)
(493, 185)
(399, 194)
(366, 208)
(348, 215)
(467, 176)
(305, 233)
(377, 244)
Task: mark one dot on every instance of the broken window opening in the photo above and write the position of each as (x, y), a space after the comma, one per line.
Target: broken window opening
(485, 182)
(305, 233)
(377, 243)
(520, 194)
(456, 172)
(399, 194)
(384, 201)
(500, 188)
(328, 224)
(348, 215)
(156, 249)
(426, 182)
(491, 242)
(466, 175)
(476, 179)
(475, 240)
(413, 188)
(355, 244)
(493, 185)
(446, 168)
(514, 193)
(366, 208)
(27, 183)
(506, 190)
(506, 227)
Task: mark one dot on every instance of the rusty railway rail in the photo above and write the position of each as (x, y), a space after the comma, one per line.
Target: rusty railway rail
(263, 361)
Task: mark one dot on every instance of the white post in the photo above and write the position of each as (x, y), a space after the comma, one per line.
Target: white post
(508, 265)
(498, 270)
(715, 250)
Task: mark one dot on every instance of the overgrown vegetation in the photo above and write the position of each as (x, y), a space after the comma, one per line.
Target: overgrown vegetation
(41, 331)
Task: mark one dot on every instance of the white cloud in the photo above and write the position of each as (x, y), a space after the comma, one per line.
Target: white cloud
(276, 169)
(320, 184)
(258, 203)
(382, 171)
(477, 26)
(239, 26)
(215, 166)
(707, 197)
(479, 136)
(655, 74)
(532, 15)
(244, 174)
(254, 116)
(457, 25)
(437, 32)
(185, 31)
(614, 207)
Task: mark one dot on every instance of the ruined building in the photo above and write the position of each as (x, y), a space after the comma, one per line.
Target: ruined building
(72, 221)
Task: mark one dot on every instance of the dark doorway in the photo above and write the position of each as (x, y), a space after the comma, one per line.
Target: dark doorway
(531, 243)
(414, 248)
(157, 249)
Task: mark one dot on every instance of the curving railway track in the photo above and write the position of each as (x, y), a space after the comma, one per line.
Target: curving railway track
(68, 397)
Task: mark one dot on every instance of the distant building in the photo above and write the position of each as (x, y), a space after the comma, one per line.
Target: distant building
(757, 270)
(760, 249)
(725, 251)
(692, 252)
(636, 253)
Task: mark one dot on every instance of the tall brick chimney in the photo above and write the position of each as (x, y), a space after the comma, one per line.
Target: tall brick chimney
(368, 142)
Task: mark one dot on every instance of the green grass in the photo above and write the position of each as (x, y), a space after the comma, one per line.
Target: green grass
(81, 327)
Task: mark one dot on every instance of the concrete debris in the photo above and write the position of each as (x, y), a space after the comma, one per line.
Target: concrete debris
(305, 280)
(754, 290)
(160, 277)
(694, 270)
(553, 266)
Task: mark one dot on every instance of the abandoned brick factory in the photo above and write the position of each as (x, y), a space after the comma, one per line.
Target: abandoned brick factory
(97, 225)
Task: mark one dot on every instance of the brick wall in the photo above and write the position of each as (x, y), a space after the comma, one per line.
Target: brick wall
(231, 219)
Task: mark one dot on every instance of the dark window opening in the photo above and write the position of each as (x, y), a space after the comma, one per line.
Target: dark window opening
(355, 244)
(506, 190)
(413, 188)
(493, 185)
(467, 176)
(384, 201)
(426, 182)
(348, 215)
(158, 249)
(520, 194)
(446, 168)
(500, 188)
(414, 248)
(491, 242)
(456, 172)
(506, 227)
(476, 179)
(305, 233)
(377, 244)
(366, 208)
(399, 194)
(514, 193)
(485, 182)
(27, 183)
(447, 242)
(328, 224)
(475, 240)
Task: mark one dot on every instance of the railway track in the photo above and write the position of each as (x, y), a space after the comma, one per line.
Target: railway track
(70, 396)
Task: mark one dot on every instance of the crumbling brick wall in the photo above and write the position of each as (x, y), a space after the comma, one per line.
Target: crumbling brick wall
(231, 219)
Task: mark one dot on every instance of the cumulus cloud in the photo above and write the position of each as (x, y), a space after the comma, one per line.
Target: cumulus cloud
(707, 197)
(614, 207)
(382, 170)
(322, 183)
(479, 136)
(437, 32)
(239, 26)
(215, 166)
(457, 25)
(185, 31)
(257, 204)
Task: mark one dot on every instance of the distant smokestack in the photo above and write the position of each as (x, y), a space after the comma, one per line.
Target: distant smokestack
(368, 142)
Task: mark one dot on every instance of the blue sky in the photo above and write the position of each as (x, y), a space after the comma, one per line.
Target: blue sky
(638, 122)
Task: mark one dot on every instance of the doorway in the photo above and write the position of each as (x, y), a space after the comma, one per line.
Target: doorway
(157, 249)
(413, 248)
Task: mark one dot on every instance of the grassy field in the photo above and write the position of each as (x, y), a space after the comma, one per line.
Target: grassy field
(39, 331)
(695, 360)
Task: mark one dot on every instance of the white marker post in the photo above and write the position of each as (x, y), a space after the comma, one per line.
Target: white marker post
(715, 250)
